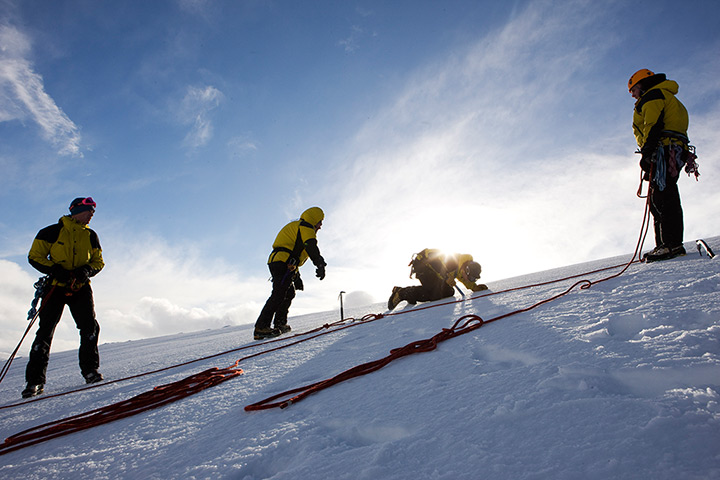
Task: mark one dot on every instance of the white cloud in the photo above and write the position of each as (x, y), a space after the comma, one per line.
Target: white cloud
(146, 289)
(23, 96)
(350, 43)
(242, 145)
(195, 110)
(16, 293)
(494, 145)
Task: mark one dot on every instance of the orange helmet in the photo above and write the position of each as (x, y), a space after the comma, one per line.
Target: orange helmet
(641, 74)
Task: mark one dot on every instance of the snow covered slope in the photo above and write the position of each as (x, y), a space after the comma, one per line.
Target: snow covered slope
(621, 380)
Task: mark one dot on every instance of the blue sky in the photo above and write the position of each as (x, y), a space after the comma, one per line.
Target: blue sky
(202, 127)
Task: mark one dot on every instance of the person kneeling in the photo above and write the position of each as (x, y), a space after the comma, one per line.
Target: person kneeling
(437, 273)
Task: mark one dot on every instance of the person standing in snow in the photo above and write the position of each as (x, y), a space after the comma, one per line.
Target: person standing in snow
(660, 123)
(294, 244)
(437, 273)
(70, 253)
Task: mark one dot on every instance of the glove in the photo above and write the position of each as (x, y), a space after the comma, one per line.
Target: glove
(81, 274)
(298, 283)
(646, 159)
(479, 287)
(320, 272)
(59, 273)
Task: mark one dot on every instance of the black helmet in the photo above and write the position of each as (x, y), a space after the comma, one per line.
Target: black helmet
(472, 270)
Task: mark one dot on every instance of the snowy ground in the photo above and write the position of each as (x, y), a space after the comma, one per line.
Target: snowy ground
(618, 381)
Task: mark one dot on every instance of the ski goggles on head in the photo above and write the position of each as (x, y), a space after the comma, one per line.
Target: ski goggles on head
(82, 204)
(87, 201)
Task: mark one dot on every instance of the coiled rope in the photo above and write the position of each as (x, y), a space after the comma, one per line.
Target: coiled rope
(155, 398)
(471, 323)
(172, 392)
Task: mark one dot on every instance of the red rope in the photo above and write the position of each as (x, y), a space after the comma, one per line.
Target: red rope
(155, 398)
(172, 392)
(431, 343)
(472, 322)
(189, 362)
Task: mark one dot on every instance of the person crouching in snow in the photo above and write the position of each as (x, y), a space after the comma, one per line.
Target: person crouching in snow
(294, 244)
(437, 273)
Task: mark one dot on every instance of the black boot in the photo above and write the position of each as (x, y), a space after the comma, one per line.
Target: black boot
(32, 390)
(263, 333)
(93, 377)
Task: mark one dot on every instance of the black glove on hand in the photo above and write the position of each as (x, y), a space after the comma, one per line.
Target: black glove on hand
(320, 272)
(298, 283)
(59, 273)
(646, 159)
(81, 275)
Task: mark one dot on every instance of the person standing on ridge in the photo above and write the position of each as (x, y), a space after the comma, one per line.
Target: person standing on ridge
(437, 273)
(294, 244)
(70, 253)
(660, 123)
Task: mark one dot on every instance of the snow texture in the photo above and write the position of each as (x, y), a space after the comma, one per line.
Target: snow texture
(621, 380)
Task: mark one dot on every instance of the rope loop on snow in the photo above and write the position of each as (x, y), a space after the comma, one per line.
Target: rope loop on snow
(157, 397)
(163, 395)
(471, 322)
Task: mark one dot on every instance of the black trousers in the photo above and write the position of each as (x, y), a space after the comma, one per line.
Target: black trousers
(431, 288)
(283, 291)
(82, 308)
(667, 214)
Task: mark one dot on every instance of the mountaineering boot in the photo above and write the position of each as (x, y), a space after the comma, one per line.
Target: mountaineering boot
(653, 252)
(678, 251)
(664, 253)
(32, 390)
(284, 328)
(263, 333)
(394, 298)
(93, 377)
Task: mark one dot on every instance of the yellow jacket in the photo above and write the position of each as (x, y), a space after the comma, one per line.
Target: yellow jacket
(69, 244)
(297, 240)
(657, 113)
(448, 267)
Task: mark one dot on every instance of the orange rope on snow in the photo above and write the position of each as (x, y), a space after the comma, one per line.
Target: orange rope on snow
(170, 367)
(472, 322)
(155, 398)
(172, 392)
